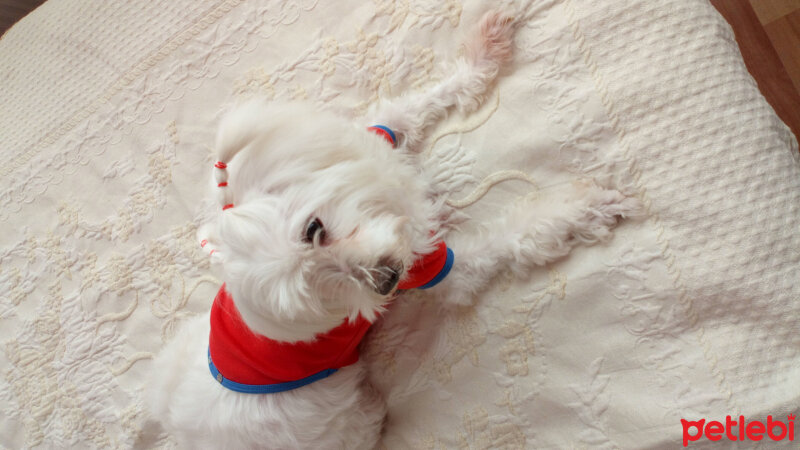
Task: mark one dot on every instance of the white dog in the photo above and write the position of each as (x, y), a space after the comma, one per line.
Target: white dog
(321, 222)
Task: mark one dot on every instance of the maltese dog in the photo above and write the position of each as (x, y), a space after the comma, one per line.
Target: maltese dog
(320, 223)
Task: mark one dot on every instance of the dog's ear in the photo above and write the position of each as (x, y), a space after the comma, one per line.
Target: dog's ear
(239, 127)
(209, 241)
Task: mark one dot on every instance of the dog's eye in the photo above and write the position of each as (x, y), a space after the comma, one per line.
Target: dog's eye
(315, 232)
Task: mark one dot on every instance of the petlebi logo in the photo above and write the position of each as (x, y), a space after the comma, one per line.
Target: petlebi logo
(738, 430)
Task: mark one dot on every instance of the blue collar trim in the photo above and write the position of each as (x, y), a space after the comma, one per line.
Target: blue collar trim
(265, 388)
(290, 385)
(448, 264)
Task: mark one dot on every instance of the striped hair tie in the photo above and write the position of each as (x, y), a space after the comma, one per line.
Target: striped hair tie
(384, 132)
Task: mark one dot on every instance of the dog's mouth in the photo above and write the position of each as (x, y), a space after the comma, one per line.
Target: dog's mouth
(387, 276)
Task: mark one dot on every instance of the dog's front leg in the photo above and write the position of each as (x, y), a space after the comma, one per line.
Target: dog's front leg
(534, 233)
(486, 52)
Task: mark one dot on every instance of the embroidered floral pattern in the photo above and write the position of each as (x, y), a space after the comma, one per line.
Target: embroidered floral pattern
(99, 264)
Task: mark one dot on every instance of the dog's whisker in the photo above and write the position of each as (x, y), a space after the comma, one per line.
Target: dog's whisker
(368, 276)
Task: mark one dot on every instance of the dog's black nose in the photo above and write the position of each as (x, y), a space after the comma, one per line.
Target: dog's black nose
(387, 275)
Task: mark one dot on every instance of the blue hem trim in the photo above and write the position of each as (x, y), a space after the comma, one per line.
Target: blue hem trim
(388, 130)
(265, 388)
(448, 264)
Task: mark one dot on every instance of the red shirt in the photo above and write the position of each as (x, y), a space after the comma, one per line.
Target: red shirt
(247, 362)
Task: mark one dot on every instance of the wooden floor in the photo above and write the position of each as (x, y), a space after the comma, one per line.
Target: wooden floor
(768, 33)
(13, 10)
(781, 22)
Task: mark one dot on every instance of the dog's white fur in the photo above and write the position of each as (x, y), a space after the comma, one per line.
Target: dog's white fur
(290, 164)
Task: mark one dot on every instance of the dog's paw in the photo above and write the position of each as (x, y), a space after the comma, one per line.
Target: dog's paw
(494, 42)
(602, 210)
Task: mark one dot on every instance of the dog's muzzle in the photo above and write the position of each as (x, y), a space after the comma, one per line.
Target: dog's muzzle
(387, 276)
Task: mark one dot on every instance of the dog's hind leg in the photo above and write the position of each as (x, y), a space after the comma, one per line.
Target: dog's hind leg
(487, 51)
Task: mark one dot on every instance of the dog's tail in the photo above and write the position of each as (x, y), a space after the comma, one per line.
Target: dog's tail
(489, 48)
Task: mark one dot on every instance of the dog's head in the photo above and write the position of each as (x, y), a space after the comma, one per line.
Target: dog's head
(326, 218)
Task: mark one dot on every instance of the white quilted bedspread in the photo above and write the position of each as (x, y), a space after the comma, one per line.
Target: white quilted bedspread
(107, 113)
